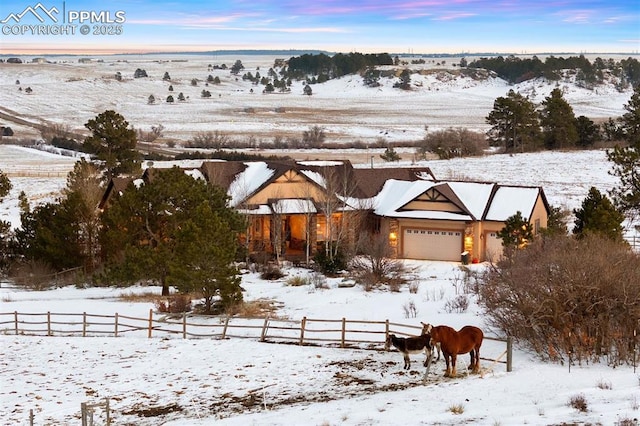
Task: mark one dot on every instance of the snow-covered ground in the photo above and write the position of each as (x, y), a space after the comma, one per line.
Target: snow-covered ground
(71, 93)
(244, 382)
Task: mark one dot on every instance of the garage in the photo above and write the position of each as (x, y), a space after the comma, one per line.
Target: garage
(493, 250)
(432, 244)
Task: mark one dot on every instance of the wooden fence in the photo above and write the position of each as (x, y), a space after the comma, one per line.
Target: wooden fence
(342, 333)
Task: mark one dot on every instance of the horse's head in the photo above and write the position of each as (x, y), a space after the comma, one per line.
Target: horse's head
(426, 328)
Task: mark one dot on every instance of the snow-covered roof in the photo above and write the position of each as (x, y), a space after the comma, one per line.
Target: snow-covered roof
(508, 200)
(473, 195)
(499, 202)
(246, 182)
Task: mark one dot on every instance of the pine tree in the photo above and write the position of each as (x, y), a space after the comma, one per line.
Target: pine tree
(390, 154)
(626, 160)
(173, 229)
(517, 232)
(598, 215)
(5, 227)
(631, 119)
(558, 122)
(113, 143)
(515, 124)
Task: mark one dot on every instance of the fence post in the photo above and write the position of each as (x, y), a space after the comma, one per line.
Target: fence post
(386, 335)
(116, 325)
(509, 354)
(83, 413)
(150, 322)
(107, 411)
(84, 324)
(344, 326)
(184, 325)
(303, 323)
(48, 323)
(263, 335)
(15, 320)
(224, 329)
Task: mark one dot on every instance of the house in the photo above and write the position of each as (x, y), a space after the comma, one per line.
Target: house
(293, 208)
(441, 220)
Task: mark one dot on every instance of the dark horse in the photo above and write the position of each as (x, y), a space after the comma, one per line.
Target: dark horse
(452, 343)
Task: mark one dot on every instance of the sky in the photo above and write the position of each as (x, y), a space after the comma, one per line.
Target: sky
(368, 26)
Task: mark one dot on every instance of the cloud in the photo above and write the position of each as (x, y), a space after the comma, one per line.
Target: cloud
(454, 16)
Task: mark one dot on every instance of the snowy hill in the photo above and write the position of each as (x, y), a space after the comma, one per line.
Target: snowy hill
(71, 93)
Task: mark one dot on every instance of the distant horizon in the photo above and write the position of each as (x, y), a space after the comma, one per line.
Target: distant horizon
(421, 27)
(303, 51)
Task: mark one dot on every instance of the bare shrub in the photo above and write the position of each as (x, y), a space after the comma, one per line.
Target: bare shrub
(604, 384)
(410, 310)
(375, 258)
(176, 303)
(213, 140)
(456, 408)
(314, 137)
(627, 421)
(56, 130)
(34, 275)
(152, 135)
(435, 295)
(271, 272)
(259, 308)
(453, 142)
(562, 296)
(458, 304)
(579, 402)
(318, 281)
(297, 281)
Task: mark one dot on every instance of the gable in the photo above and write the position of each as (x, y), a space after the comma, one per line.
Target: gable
(289, 185)
(433, 200)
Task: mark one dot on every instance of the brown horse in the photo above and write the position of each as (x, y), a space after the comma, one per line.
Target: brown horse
(452, 343)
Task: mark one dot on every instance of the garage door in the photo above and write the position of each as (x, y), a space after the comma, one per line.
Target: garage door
(432, 245)
(493, 252)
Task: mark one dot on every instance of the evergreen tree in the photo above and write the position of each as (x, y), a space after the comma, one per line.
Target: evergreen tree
(390, 154)
(556, 224)
(166, 76)
(307, 90)
(588, 132)
(205, 266)
(631, 119)
(172, 229)
(558, 122)
(50, 234)
(598, 216)
(5, 227)
(84, 193)
(237, 67)
(151, 100)
(626, 160)
(517, 232)
(113, 144)
(515, 124)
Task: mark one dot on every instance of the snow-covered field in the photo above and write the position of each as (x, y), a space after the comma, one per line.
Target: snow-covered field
(242, 381)
(71, 93)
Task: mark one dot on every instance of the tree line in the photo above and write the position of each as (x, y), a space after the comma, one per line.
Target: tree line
(516, 70)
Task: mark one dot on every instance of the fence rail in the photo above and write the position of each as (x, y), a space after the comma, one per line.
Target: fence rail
(342, 333)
